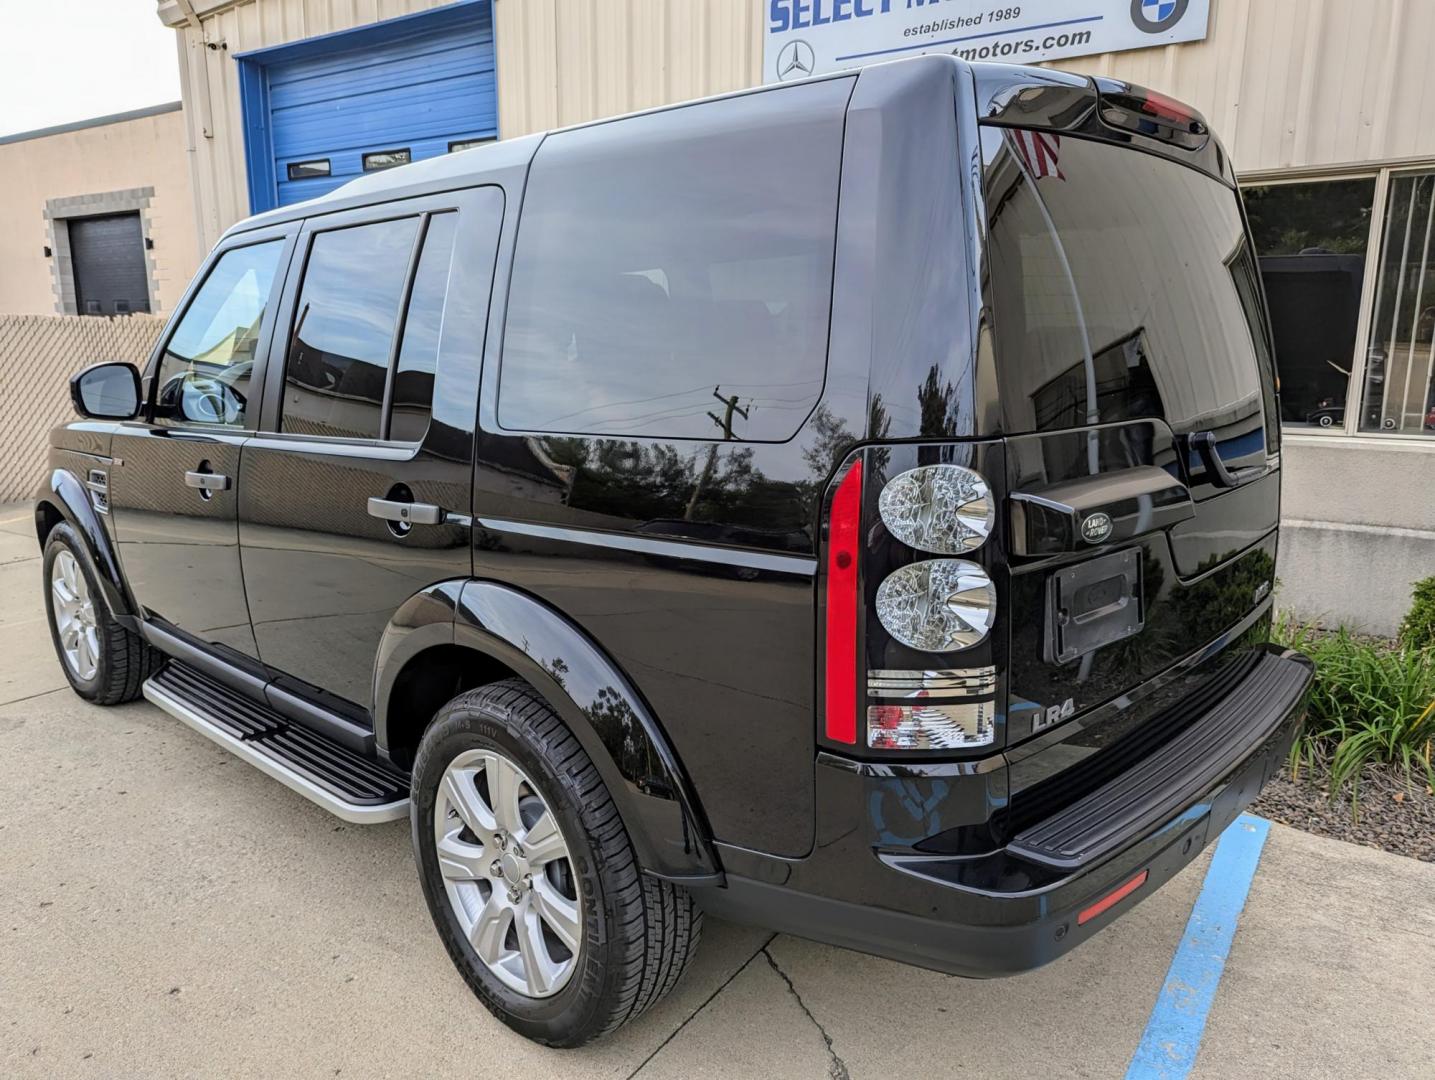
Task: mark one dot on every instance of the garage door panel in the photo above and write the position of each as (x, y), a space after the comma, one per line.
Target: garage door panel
(419, 89)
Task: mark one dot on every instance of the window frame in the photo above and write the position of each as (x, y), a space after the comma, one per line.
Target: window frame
(258, 380)
(276, 370)
(1384, 176)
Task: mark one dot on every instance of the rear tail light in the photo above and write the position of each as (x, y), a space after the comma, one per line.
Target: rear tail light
(912, 617)
(843, 600)
(944, 509)
(937, 606)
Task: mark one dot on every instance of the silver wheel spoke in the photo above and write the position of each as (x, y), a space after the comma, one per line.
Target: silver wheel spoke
(490, 928)
(496, 876)
(462, 795)
(539, 970)
(560, 913)
(543, 843)
(504, 780)
(460, 861)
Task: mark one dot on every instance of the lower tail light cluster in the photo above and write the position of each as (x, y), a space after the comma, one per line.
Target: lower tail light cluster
(931, 605)
(948, 709)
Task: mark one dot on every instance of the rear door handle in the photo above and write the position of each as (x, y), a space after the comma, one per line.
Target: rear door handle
(409, 513)
(206, 481)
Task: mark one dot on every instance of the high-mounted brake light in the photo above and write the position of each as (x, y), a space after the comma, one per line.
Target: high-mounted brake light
(844, 527)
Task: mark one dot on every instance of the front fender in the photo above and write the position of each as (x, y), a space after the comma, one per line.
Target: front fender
(607, 715)
(67, 494)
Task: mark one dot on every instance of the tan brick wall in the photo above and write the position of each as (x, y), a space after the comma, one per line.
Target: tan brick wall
(38, 354)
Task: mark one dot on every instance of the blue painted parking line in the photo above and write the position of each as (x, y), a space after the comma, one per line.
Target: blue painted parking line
(1168, 1047)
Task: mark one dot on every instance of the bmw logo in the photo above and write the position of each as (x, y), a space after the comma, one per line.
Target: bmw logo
(1096, 528)
(1157, 16)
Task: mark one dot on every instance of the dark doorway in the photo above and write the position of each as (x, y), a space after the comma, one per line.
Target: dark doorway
(107, 254)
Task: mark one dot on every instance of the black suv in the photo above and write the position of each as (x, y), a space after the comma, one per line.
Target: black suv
(846, 506)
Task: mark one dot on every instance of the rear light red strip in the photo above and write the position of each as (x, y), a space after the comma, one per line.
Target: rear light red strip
(1112, 899)
(840, 668)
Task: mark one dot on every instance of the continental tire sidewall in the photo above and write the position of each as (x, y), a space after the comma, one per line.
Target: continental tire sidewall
(581, 1004)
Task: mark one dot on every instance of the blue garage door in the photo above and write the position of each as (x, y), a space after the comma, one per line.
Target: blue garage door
(342, 105)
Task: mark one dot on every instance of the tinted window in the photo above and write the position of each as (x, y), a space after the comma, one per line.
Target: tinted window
(343, 333)
(208, 365)
(418, 353)
(1311, 239)
(1141, 303)
(669, 264)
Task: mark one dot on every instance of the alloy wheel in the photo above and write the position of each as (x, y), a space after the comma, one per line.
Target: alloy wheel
(507, 872)
(74, 615)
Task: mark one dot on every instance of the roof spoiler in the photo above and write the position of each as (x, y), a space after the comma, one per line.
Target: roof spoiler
(1098, 108)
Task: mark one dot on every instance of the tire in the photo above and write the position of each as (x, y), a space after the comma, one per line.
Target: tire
(637, 933)
(121, 660)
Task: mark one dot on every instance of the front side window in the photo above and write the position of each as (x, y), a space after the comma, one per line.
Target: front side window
(673, 272)
(1399, 391)
(1310, 241)
(207, 368)
(346, 316)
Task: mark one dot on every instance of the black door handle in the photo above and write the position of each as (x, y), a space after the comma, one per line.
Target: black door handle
(1204, 443)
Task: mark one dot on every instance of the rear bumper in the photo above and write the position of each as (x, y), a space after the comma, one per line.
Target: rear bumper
(1002, 913)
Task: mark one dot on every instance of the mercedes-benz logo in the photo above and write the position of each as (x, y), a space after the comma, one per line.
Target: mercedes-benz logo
(795, 60)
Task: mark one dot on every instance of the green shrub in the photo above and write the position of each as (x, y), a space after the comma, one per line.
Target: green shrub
(1372, 703)
(1418, 629)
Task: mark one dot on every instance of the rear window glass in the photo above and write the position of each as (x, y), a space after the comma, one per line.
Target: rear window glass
(1124, 288)
(672, 265)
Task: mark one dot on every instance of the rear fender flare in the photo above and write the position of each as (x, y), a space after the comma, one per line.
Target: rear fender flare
(67, 494)
(598, 704)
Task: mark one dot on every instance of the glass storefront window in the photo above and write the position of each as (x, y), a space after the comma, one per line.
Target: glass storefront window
(1399, 391)
(1311, 240)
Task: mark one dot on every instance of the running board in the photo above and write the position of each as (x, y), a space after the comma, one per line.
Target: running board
(346, 784)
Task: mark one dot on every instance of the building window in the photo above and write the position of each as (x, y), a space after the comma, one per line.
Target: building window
(466, 144)
(386, 159)
(308, 170)
(1311, 239)
(1399, 384)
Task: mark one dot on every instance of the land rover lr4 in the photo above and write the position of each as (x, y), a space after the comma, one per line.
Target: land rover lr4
(847, 506)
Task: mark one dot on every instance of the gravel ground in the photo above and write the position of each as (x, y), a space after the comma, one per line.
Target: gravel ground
(1393, 815)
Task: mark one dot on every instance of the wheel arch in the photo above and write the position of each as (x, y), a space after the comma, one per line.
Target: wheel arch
(457, 635)
(64, 497)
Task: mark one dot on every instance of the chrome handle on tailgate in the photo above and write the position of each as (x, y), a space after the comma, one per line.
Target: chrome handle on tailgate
(1109, 507)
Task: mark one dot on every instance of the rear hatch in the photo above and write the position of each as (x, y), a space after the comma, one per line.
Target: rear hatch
(1138, 397)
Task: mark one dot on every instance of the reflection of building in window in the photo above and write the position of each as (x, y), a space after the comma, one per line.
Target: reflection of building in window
(1125, 389)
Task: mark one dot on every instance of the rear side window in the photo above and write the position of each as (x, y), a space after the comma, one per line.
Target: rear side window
(1124, 289)
(671, 263)
(344, 377)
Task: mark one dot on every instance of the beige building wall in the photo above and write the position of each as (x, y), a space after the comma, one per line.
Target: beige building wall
(141, 162)
(1289, 84)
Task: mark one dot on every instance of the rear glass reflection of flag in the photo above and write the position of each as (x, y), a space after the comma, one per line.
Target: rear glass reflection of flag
(1038, 151)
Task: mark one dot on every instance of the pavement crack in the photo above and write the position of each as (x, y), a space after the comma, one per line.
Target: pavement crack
(708, 1001)
(836, 1067)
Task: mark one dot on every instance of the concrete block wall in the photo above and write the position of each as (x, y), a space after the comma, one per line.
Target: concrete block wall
(1357, 528)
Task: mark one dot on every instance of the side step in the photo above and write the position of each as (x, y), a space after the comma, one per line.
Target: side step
(346, 784)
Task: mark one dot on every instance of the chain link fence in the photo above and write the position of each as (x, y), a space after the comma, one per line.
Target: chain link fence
(38, 354)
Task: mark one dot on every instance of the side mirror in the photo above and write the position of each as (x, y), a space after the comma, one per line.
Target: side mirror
(109, 391)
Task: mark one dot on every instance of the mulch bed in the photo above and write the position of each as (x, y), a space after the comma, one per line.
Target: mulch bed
(1393, 815)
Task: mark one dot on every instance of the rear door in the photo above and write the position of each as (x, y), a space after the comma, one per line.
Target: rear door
(371, 394)
(1135, 380)
(174, 480)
